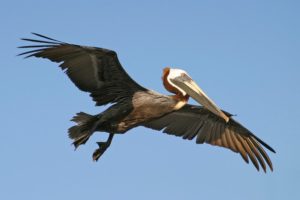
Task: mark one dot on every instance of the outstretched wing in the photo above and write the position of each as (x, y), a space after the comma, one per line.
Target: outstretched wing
(191, 121)
(91, 69)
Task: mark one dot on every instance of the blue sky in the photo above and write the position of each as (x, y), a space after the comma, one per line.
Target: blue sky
(244, 54)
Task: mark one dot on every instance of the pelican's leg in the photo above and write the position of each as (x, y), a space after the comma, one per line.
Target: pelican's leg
(102, 147)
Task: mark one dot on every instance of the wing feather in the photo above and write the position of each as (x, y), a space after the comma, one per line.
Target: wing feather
(257, 154)
(223, 136)
(263, 153)
(195, 121)
(248, 150)
(240, 147)
(94, 70)
(230, 140)
(202, 133)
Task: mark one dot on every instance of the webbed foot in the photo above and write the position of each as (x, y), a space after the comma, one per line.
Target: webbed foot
(102, 147)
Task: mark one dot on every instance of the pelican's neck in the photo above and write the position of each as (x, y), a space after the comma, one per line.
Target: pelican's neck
(180, 100)
(166, 83)
(180, 97)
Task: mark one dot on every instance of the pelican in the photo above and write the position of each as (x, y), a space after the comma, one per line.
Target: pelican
(99, 72)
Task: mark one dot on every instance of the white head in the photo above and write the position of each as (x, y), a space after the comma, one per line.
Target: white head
(176, 73)
(179, 82)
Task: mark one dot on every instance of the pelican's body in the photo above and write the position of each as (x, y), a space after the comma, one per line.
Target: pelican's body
(99, 72)
(147, 105)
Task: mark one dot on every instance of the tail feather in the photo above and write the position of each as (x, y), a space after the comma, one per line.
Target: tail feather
(85, 127)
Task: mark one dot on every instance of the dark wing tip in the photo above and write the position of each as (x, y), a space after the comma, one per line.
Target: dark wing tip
(47, 42)
(253, 146)
(30, 53)
(38, 45)
(45, 37)
(40, 41)
(264, 144)
(235, 123)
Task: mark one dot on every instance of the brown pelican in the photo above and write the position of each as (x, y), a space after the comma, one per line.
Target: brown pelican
(99, 72)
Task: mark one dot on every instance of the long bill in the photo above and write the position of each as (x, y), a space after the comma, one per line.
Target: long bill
(187, 84)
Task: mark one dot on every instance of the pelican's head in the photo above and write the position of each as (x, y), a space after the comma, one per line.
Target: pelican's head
(179, 82)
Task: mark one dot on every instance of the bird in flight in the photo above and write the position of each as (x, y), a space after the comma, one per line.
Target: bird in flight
(99, 72)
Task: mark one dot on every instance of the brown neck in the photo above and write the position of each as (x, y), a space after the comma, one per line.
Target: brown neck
(178, 95)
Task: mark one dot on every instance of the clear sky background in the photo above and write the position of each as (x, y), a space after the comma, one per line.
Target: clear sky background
(244, 54)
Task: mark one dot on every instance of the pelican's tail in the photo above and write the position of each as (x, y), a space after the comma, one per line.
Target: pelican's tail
(86, 125)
